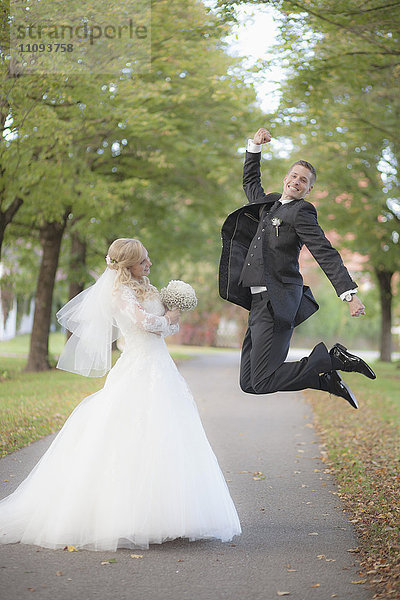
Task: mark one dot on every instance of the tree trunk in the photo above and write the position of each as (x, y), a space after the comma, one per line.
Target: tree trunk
(7, 216)
(50, 238)
(385, 291)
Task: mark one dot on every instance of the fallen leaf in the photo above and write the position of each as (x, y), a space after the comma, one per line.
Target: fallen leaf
(71, 549)
(316, 585)
(258, 475)
(108, 561)
(313, 533)
(323, 557)
(283, 593)
(359, 581)
(292, 570)
(137, 556)
(59, 573)
(355, 550)
(31, 590)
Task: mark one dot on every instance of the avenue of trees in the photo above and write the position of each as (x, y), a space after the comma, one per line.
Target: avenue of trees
(340, 108)
(87, 159)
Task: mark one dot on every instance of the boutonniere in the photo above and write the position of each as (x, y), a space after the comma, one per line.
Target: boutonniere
(276, 222)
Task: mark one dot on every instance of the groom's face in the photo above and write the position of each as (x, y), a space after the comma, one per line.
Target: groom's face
(298, 182)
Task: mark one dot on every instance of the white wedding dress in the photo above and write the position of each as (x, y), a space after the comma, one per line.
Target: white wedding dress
(132, 465)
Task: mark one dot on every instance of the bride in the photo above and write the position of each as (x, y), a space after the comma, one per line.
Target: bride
(132, 465)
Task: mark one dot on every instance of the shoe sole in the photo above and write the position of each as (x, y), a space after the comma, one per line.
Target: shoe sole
(352, 400)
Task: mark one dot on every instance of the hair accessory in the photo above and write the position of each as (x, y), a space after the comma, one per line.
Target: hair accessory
(110, 261)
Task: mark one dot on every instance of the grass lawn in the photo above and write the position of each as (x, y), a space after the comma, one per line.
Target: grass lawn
(363, 452)
(19, 346)
(33, 405)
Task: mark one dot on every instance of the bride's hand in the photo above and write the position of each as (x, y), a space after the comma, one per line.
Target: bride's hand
(173, 315)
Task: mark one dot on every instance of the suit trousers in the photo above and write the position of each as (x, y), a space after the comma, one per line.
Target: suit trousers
(264, 350)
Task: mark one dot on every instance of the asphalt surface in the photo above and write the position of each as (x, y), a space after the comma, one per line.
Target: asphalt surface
(296, 537)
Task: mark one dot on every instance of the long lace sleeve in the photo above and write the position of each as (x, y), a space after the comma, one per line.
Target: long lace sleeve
(127, 303)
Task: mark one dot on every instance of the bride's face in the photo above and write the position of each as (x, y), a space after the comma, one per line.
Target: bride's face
(142, 267)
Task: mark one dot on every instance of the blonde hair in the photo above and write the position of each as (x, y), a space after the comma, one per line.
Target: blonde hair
(124, 254)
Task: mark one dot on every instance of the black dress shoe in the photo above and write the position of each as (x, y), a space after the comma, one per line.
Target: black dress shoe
(332, 382)
(344, 361)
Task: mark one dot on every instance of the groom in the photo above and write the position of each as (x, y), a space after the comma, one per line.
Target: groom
(259, 270)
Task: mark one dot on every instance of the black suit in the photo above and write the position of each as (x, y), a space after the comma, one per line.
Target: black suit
(275, 313)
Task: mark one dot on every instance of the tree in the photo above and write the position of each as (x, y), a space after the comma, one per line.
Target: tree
(340, 107)
(50, 238)
(150, 155)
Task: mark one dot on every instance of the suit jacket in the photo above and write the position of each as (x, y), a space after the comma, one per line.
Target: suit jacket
(292, 302)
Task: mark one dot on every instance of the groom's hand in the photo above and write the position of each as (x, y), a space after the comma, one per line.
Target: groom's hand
(262, 136)
(356, 307)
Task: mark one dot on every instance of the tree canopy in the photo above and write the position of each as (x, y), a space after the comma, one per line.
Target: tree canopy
(150, 155)
(340, 109)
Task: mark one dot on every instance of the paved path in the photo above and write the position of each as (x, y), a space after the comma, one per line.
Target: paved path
(295, 536)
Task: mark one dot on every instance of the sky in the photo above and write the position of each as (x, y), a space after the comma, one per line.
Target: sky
(254, 37)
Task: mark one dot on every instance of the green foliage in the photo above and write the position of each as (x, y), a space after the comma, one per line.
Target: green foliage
(340, 108)
(340, 105)
(333, 323)
(150, 155)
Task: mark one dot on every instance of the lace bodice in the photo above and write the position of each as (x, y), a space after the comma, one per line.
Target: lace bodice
(134, 317)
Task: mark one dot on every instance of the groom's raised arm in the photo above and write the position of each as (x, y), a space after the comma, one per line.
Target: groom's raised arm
(251, 170)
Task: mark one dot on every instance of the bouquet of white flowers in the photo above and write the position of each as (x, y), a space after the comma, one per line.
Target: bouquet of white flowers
(178, 294)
